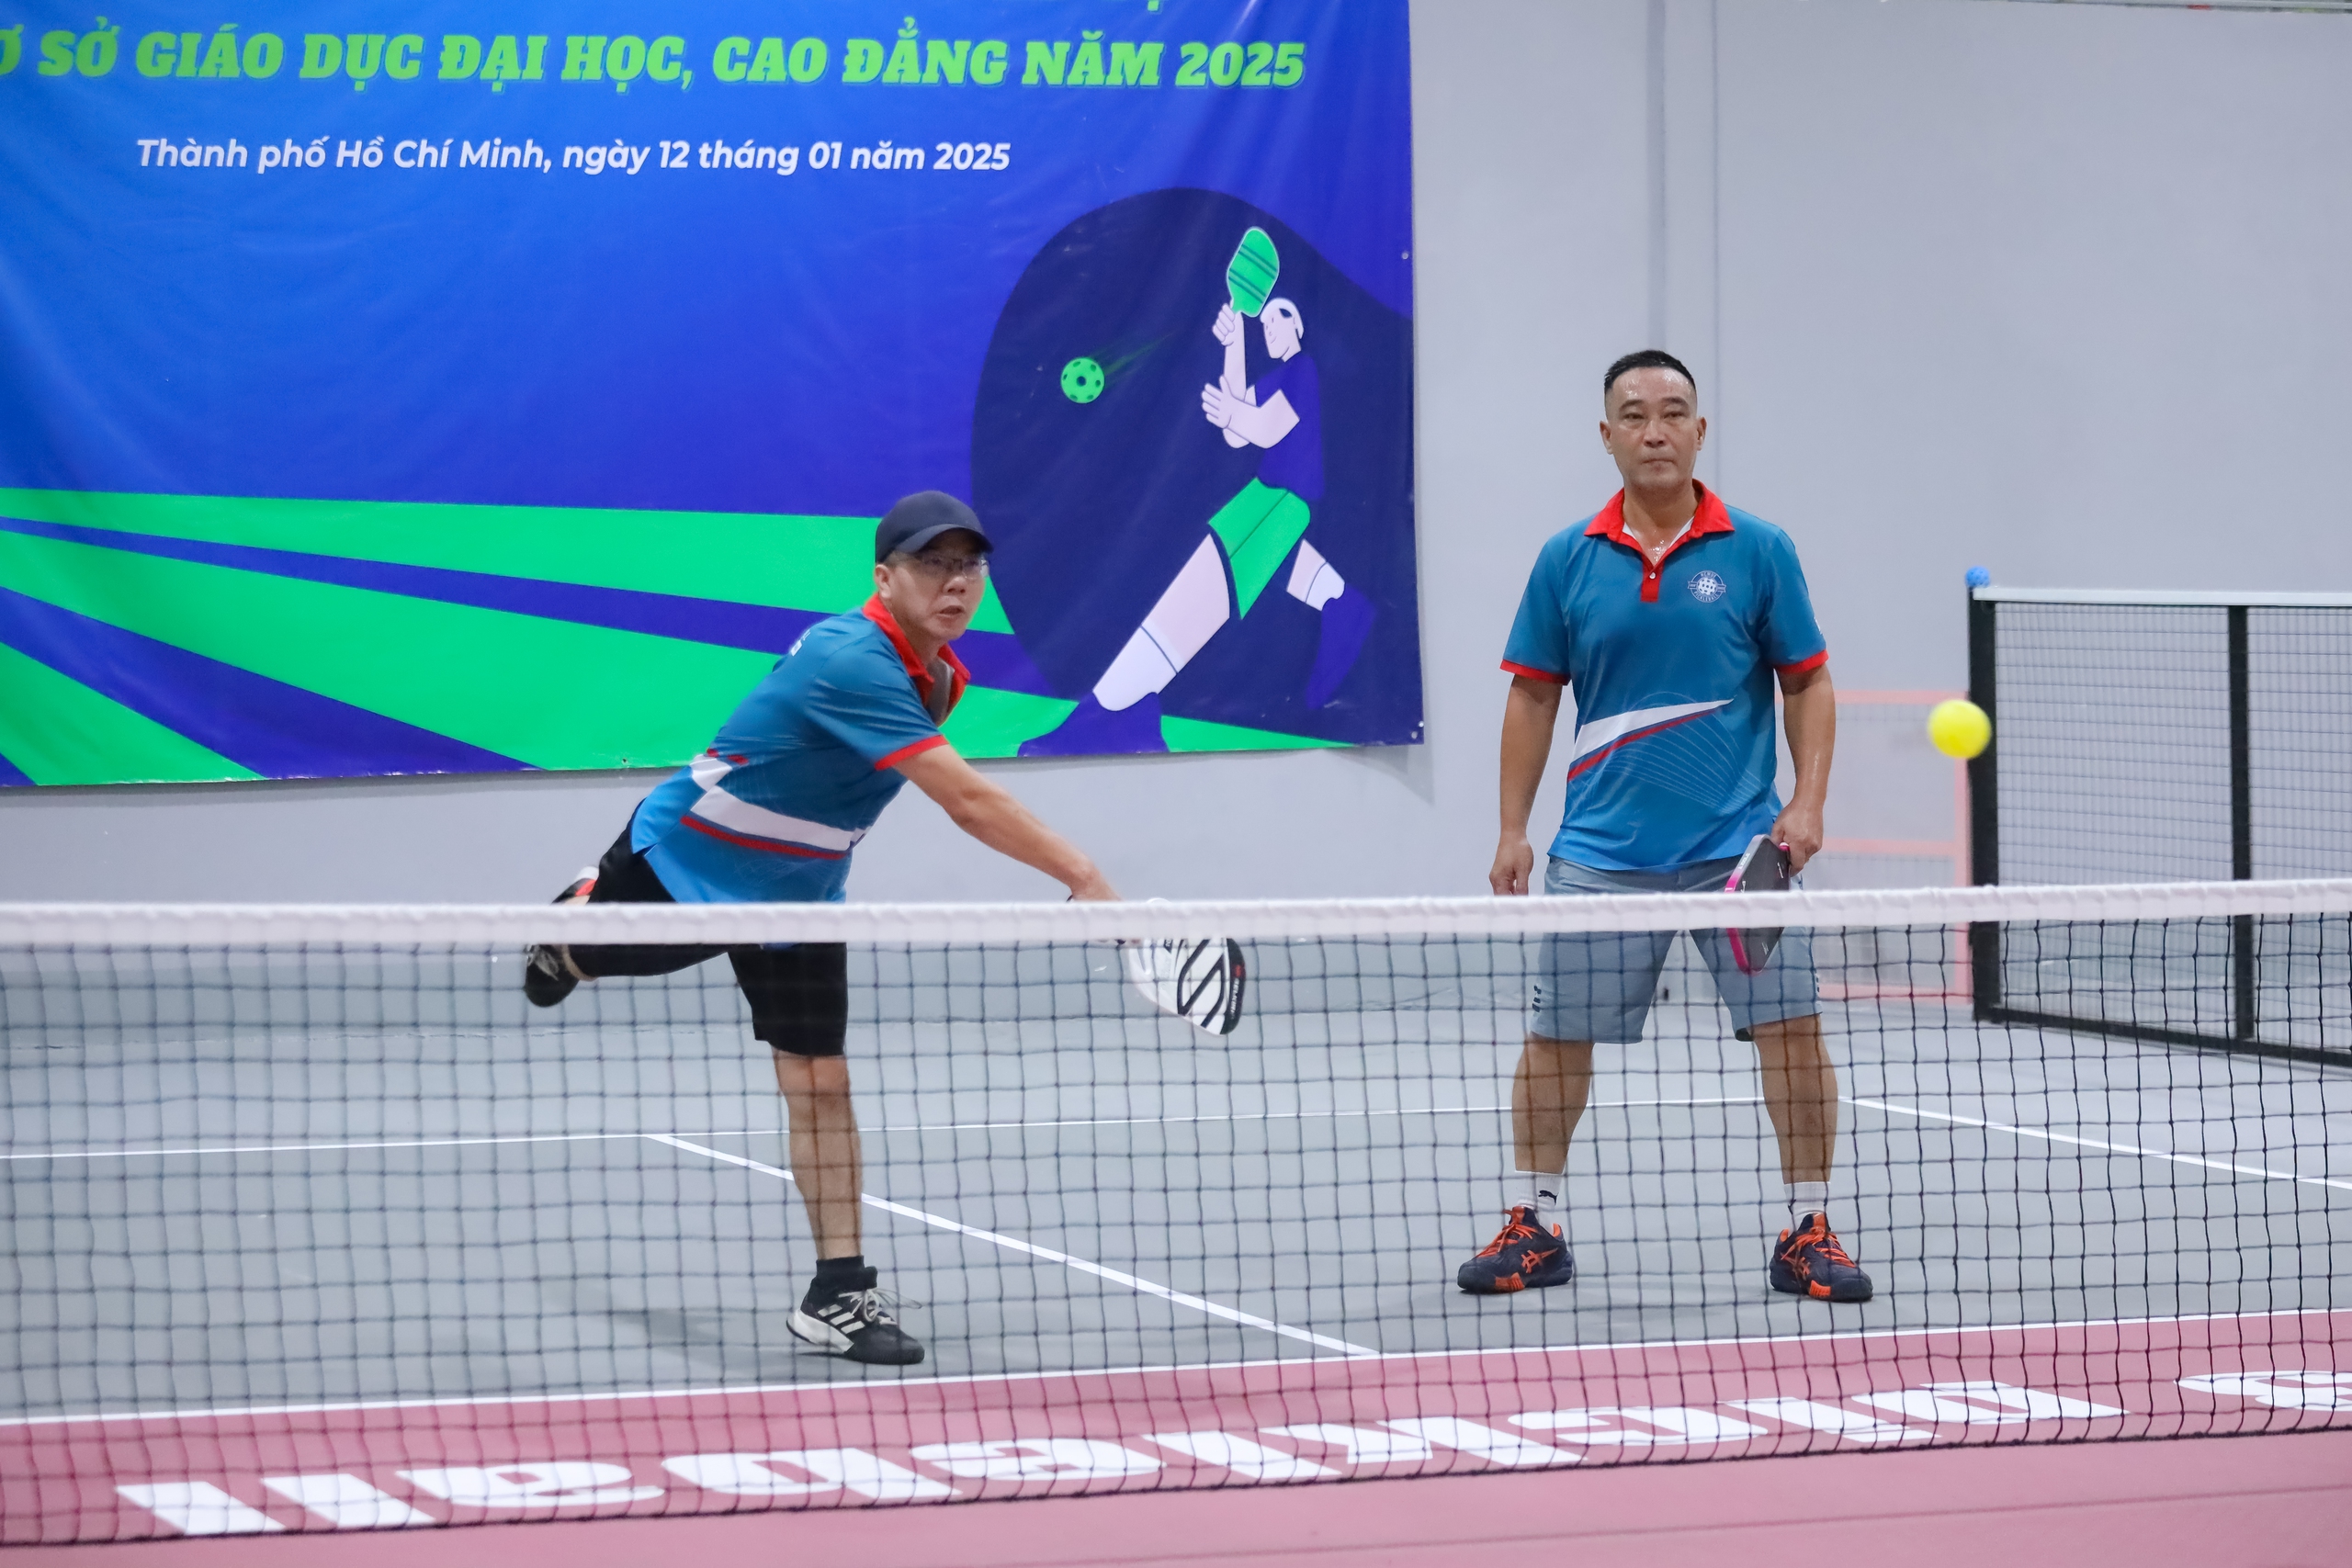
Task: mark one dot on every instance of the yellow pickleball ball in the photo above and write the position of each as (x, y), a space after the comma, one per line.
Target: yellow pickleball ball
(1958, 728)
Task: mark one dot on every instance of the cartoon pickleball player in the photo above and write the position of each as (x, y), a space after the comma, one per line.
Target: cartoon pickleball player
(1251, 536)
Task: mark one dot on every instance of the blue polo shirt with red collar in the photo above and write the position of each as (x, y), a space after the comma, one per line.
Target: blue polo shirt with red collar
(1672, 665)
(801, 768)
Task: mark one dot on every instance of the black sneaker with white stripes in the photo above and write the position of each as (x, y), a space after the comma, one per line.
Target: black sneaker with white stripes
(844, 1314)
(546, 978)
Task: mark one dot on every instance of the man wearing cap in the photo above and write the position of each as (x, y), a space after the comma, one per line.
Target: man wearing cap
(798, 774)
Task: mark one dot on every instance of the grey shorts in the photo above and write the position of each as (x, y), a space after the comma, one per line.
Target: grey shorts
(1597, 986)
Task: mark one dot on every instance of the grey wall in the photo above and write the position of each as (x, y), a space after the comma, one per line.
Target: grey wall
(2054, 289)
(2043, 288)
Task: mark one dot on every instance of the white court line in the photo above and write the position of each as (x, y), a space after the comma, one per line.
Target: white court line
(1298, 1115)
(2099, 1144)
(300, 1148)
(501, 1401)
(891, 1127)
(2263, 1171)
(1133, 1282)
(2139, 1151)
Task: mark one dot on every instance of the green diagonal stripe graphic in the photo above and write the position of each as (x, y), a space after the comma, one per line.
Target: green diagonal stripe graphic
(791, 561)
(545, 691)
(990, 723)
(61, 732)
(1202, 735)
(993, 724)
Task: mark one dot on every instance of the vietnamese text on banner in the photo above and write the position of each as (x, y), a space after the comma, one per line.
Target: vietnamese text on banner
(509, 385)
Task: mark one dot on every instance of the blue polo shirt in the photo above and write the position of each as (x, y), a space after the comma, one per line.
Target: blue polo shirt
(800, 770)
(1672, 669)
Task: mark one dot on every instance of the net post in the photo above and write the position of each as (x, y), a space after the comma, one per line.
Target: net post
(1983, 807)
(2243, 1017)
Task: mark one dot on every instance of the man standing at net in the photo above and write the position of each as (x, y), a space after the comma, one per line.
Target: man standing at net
(1670, 614)
(770, 813)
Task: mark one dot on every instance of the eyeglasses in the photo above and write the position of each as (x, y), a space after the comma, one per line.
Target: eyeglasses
(943, 569)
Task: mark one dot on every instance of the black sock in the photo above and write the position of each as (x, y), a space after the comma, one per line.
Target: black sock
(835, 1275)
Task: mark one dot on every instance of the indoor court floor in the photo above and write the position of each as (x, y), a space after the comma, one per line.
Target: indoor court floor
(404, 1272)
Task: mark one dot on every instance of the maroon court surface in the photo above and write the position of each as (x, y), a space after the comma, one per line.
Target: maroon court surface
(1934, 1446)
(2250, 1502)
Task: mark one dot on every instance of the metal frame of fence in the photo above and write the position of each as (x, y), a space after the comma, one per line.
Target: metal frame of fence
(1984, 938)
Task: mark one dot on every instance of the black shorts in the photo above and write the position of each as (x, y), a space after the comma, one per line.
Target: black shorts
(799, 995)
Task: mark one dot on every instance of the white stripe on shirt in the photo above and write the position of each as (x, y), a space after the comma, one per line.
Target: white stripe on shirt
(740, 816)
(1592, 738)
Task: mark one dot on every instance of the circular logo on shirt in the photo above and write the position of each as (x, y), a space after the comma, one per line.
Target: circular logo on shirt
(1706, 587)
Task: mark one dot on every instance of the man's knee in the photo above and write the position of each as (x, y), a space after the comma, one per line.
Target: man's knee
(1543, 1044)
(1545, 1059)
(812, 1080)
(1802, 1030)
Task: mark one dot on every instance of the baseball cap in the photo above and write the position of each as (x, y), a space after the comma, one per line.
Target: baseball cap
(919, 519)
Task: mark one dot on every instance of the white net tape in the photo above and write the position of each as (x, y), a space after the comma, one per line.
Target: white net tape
(258, 925)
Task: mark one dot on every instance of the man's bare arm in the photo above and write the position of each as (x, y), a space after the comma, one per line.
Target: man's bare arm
(989, 813)
(1811, 723)
(1530, 712)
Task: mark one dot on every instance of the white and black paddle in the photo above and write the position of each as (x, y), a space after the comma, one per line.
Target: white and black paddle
(1198, 979)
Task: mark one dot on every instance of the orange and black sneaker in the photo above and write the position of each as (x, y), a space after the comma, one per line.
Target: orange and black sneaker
(1525, 1256)
(1807, 1261)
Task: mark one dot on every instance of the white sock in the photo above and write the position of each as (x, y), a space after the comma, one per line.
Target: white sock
(1807, 1197)
(1314, 581)
(1539, 1191)
(1194, 606)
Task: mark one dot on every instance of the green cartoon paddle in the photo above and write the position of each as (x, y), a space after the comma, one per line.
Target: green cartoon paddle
(1249, 275)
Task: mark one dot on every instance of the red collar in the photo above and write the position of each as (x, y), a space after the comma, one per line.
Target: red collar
(958, 677)
(1712, 517)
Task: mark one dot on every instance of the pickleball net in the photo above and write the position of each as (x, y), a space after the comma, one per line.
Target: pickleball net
(2155, 736)
(313, 1223)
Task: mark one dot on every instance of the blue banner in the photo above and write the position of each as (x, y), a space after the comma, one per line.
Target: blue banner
(506, 385)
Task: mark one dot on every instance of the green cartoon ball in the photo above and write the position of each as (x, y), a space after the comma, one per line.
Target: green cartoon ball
(1082, 381)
